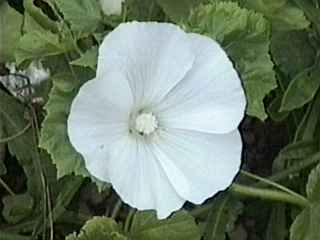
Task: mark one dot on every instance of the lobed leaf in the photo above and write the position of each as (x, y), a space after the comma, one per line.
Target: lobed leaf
(98, 228)
(10, 25)
(178, 10)
(83, 15)
(245, 35)
(38, 44)
(54, 135)
(17, 208)
(181, 226)
(282, 14)
(89, 59)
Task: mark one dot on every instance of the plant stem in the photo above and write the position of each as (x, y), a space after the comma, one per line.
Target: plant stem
(273, 184)
(6, 187)
(4, 140)
(129, 220)
(267, 194)
(116, 209)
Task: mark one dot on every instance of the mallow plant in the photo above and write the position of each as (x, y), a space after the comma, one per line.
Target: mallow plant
(121, 119)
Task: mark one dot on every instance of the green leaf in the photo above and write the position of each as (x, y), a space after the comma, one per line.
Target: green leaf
(292, 51)
(311, 10)
(222, 217)
(283, 15)
(39, 16)
(99, 228)
(39, 44)
(17, 208)
(179, 9)
(313, 185)
(54, 136)
(298, 150)
(16, 117)
(70, 186)
(181, 226)
(83, 15)
(12, 113)
(245, 35)
(277, 229)
(301, 90)
(144, 10)
(12, 236)
(274, 110)
(89, 59)
(10, 25)
(306, 225)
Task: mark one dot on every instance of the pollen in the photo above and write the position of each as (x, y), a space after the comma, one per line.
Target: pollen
(146, 123)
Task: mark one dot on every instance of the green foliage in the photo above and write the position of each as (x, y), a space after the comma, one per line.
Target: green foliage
(222, 217)
(245, 36)
(301, 89)
(12, 115)
(99, 228)
(39, 16)
(54, 135)
(178, 10)
(306, 225)
(10, 25)
(283, 15)
(143, 10)
(71, 185)
(265, 39)
(292, 51)
(83, 15)
(313, 185)
(277, 224)
(181, 226)
(37, 44)
(17, 208)
(89, 59)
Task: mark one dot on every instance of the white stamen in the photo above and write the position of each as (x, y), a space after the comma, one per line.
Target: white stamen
(146, 123)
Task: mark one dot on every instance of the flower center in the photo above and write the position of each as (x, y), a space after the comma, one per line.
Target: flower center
(146, 123)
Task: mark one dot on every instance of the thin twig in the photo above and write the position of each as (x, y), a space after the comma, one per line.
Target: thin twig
(6, 187)
(20, 133)
(116, 209)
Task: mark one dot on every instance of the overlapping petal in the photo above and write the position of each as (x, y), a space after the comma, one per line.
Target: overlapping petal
(198, 164)
(210, 98)
(139, 178)
(97, 118)
(154, 57)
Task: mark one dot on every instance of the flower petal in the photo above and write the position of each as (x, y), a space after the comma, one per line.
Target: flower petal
(139, 179)
(210, 98)
(153, 56)
(198, 164)
(95, 122)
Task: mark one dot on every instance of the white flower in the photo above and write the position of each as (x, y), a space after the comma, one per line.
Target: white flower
(160, 119)
(111, 7)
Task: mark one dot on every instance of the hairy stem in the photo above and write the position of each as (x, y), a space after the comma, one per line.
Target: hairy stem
(267, 194)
